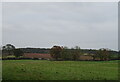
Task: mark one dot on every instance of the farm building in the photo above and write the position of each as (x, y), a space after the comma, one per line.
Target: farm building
(86, 57)
(37, 55)
(48, 56)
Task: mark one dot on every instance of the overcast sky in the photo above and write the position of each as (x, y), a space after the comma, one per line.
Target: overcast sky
(39, 24)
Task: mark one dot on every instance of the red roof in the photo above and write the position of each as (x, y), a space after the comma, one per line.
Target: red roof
(37, 55)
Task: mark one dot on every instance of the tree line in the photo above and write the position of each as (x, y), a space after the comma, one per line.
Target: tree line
(62, 53)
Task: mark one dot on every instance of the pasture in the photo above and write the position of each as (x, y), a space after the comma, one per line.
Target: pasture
(59, 70)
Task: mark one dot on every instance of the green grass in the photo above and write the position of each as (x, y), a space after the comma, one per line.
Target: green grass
(59, 70)
(10, 56)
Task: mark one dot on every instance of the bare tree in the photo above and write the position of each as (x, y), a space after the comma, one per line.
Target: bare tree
(103, 54)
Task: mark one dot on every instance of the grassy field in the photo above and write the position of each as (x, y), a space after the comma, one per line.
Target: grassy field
(59, 70)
